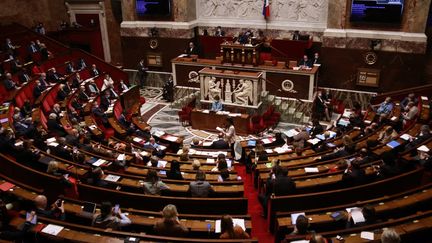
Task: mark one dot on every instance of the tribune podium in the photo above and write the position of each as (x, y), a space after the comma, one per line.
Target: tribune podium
(240, 54)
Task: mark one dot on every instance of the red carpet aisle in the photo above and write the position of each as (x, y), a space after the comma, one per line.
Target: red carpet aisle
(259, 224)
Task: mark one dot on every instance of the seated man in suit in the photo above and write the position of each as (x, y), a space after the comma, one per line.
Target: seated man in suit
(24, 75)
(105, 101)
(22, 127)
(69, 68)
(54, 126)
(100, 114)
(76, 81)
(192, 49)
(200, 187)
(316, 59)
(56, 211)
(220, 143)
(93, 88)
(109, 218)
(385, 107)
(82, 95)
(54, 76)
(123, 87)
(43, 81)
(305, 62)
(94, 71)
(9, 83)
(61, 149)
(37, 90)
(81, 64)
(62, 93)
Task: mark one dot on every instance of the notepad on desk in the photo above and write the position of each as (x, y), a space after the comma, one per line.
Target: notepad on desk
(112, 178)
(121, 157)
(405, 137)
(162, 163)
(291, 133)
(313, 141)
(239, 222)
(423, 148)
(137, 139)
(367, 235)
(311, 169)
(99, 162)
(210, 160)
(52, 229)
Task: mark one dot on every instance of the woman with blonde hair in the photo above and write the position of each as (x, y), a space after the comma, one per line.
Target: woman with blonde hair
(170, 225)
(53, 168)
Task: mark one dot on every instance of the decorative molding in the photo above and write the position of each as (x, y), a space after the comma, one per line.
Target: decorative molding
(375, 34)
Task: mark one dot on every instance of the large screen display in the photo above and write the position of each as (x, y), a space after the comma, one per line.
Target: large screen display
(377, 11)
(153, 8)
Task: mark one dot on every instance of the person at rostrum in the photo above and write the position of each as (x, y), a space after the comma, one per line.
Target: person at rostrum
(109, 217)
(217, 104)
(170, 225)
(231, 231)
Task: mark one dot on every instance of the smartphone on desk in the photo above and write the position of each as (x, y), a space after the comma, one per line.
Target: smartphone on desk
(34, 219)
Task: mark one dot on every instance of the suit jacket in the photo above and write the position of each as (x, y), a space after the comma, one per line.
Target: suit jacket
(307, 63)
(54, 77)
(316, 61)
(37, 91)
(54, 126)
(104, 103)
(100, 114)
(9, 84)
(61, 95)
(83, 96)
(94, 72)
(283, 185)
(200, 188)
(220, 144)
(24, 77)
(61, 152)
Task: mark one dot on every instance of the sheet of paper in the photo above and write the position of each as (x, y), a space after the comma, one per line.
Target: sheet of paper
(162, 163)
(171, 138)
(19, 143)
(50, 140)
(313, 141)
(291, 133)
(357, 216)
(137, 139)
(144, 153)
(294, 217)
(423, 148)
(424, 98)
(210, 160)
(267, 140)
(99, 162)
(240, 222)
(206, 111)
(311, 170)
(121, 157)
(367, 235)
(405, 137)
(161, 147)
(269, 151)
(159, 133)
(113, 178)
(52, 229)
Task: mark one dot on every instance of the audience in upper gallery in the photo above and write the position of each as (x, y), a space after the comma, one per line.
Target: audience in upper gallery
(231, 231)
(385, 107)
(170, 225)
(23, 127)
(389, 235)
(110, 217)
(174, 173)
(354, 175)
(54, 127)
(387, 135)
(8, 83)
(81, 64)
(56, 210)
(200, 187)
(153, 185)
(279, 184)
(94, 71)
(54, 77)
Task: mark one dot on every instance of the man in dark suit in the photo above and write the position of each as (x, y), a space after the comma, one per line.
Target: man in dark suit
(316, 59)
(94, 71)
(105, 101)
(24, 76)
(37, 90)
(305, 62)
(192, 49)
(354, 175)
(43, 81)
(82, 95)
(32, 48)
(76, 80)
(81, 64)
(62, 93)
(142, 73)
(60, 149)
(22, 128)
(220, 143)
(219, 32)
(9, 83)
(54, 126)
(122, 86)
(98, 113)
(69, 68)
(54, 76)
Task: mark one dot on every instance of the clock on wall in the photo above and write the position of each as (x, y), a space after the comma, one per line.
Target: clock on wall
(153, 43)
(370, 58)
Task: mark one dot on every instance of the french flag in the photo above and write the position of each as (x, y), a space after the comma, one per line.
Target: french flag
(266, 9)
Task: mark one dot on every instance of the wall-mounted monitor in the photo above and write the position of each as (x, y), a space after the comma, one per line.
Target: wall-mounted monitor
(377, 11)
(153, 8)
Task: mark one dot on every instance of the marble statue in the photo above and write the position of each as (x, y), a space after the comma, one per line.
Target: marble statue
(243, 92)
(214, 89)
